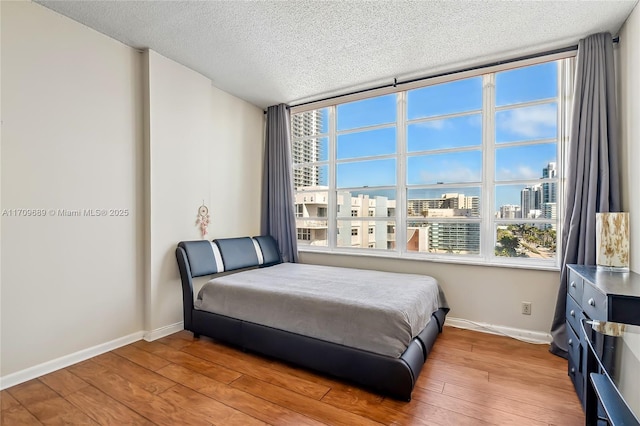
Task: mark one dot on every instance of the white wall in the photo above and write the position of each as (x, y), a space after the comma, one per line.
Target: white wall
(629, 100)
(179, 108)
(203, 145)
(236, 166)
(71, 139)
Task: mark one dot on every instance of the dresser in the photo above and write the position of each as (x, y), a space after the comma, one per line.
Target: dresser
(594, 294)
(613, 361)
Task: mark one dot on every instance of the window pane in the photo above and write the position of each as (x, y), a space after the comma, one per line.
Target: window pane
(527, 84)
(525, 162)
(509, 201)
(447, 98)
(449, 202)
(310, 123)
(310, 150)
(537, 200)
(312, 232)
(366, 173)
(443, 237)
(310, 176)
(446, 133)
(365, 144)
(528, 123)
(367, 203)
(368, 112)
(365, 234)
(533, 240)
(445, 168)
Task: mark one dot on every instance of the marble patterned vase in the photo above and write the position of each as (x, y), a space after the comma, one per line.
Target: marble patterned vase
(612, 240)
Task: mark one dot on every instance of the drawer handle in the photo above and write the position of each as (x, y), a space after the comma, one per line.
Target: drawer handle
(570, 342)
(573, 370)
(573, 284)
(591, 302)
(572, 313)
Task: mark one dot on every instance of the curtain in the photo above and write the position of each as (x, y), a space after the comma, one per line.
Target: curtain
(593, 183)
(278, 215)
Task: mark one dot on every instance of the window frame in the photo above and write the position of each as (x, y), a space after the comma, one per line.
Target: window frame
(488, 221)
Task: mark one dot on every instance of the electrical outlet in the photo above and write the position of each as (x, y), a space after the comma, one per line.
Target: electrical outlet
(526, 308)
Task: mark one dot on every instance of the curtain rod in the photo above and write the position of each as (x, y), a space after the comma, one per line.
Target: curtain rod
(413, 80)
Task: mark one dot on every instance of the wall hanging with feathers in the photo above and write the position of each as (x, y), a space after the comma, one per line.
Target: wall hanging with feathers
(203, 219)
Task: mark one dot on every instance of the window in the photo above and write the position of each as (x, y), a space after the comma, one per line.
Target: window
(304, 234)
(526, 162)
(467, 169)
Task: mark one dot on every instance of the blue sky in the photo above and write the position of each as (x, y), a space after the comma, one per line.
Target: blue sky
(513, 124)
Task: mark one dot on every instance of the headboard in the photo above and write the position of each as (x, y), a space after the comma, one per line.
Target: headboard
(199, 258)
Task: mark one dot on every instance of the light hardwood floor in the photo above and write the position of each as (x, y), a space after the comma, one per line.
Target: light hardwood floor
(470, 378)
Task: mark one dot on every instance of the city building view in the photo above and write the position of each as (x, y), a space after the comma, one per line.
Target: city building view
(533, 239)
(448, 222)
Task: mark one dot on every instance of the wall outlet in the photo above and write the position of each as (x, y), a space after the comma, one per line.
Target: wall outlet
(526, 308)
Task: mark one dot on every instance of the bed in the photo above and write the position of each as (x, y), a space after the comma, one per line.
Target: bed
(333, 320)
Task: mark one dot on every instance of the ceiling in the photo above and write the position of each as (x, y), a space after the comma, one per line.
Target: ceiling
(270, 52)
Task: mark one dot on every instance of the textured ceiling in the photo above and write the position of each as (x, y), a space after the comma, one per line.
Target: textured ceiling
(268, 52)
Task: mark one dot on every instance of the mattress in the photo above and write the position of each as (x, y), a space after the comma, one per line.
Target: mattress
(379, 312)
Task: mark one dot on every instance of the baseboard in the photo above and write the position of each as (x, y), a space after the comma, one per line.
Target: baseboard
(67, 360)
(516, 333)
(161, 332)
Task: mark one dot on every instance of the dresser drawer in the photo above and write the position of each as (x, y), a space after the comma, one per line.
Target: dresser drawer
(574, 314)
(575, 285)
(594, 303)
(576, 379)
(575, 351)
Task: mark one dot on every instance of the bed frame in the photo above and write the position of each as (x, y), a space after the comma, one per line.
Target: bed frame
(391, 376)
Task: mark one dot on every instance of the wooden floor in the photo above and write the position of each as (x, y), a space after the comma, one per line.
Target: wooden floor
(469, 379)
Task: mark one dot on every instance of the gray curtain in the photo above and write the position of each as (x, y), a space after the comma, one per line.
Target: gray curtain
(278, 216)
(593, 183)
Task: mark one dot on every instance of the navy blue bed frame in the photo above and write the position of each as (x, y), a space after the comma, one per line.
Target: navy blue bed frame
(395, 377)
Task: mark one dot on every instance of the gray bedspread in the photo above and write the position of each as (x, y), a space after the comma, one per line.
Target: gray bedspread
(374, 311)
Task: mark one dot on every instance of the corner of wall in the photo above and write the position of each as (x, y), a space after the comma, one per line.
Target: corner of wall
(146, 190)
(629, 102)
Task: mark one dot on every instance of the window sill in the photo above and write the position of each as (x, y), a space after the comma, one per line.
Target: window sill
(472, 261)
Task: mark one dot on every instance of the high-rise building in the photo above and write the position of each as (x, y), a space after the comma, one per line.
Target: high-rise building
(510, 211)
(444, 237)
(549, 192)
(464, 205)
(550, 210)
(306, 125)
(530, 201)
(549, 189)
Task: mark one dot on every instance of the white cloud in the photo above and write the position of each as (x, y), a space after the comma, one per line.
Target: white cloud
(450, 173)
(475, 120)
(531, 122)
(518, 172)
(433, 124)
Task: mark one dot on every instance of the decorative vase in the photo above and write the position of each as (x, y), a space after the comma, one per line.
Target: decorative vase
(612, 241)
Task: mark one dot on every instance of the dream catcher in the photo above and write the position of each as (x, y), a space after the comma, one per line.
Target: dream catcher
(203, 219)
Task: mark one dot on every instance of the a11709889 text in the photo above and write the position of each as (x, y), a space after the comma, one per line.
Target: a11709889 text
(66, 212)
